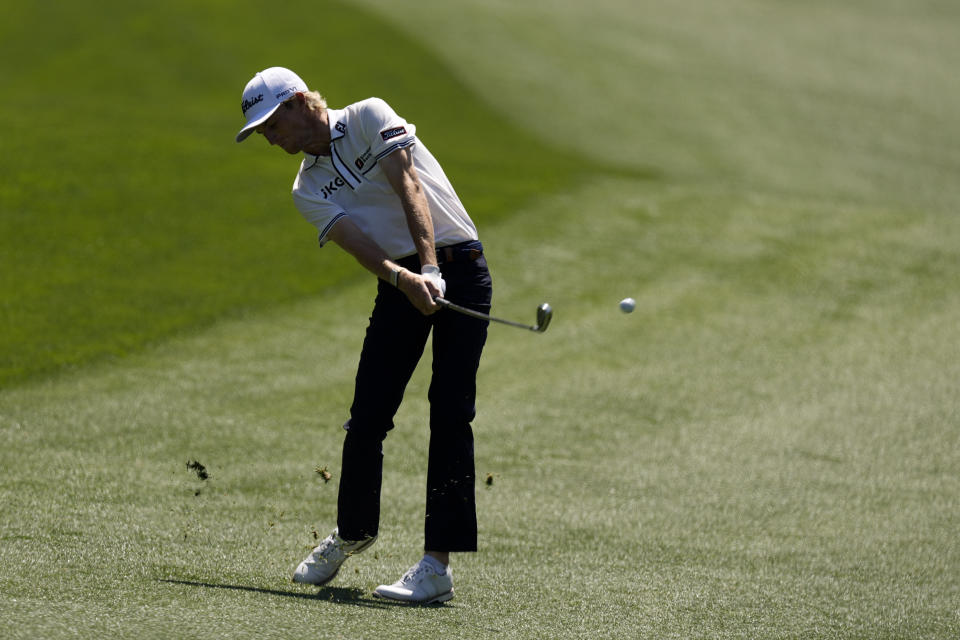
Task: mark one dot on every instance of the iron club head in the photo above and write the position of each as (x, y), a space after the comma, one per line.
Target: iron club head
(544, 315)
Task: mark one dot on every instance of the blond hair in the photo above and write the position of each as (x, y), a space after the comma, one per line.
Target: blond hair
(315, 101)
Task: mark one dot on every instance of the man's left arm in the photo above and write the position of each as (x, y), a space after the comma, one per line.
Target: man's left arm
(402, 175)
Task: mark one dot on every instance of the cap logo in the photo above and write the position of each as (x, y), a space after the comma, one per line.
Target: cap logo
(286, 92)
(246, 104)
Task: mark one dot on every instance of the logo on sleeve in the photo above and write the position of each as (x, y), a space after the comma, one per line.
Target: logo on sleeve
(387, 134)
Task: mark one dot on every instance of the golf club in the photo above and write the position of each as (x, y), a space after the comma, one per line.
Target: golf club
(544, 314)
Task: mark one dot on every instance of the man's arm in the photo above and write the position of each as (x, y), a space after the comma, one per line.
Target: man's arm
(399, 169)
(372, 257)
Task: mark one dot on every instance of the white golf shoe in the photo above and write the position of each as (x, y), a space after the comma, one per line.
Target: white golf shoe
(323, 563)
(421, 584)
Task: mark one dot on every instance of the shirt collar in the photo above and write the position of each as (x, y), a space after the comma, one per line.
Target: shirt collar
(338, 123)
(337, 118)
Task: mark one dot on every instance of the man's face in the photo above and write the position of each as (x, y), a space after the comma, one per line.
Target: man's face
(286, 127)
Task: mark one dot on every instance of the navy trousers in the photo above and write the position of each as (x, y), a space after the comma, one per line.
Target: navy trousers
(394, 343)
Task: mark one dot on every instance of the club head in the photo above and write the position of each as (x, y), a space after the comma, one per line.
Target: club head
(544, 314)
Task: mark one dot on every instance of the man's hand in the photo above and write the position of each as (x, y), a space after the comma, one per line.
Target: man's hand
(420, 291)
(432, 273)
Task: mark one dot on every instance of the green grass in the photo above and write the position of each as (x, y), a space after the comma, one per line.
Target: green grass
(765, 448)
(850, 100)
(691, 470)
(130, 214)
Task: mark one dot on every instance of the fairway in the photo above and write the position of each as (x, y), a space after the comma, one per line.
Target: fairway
(767, 447)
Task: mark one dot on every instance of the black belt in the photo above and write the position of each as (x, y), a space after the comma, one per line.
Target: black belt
(468, 251)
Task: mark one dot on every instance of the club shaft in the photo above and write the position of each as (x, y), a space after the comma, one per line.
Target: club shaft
(477, 314)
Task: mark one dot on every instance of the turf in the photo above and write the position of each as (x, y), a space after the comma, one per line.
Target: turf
(765, 448)
(130, 213)
(849, 100)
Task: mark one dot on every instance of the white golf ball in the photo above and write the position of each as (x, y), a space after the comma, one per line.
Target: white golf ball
(627, 305)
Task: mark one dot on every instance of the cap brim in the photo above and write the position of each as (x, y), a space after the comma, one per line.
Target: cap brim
(253, 124)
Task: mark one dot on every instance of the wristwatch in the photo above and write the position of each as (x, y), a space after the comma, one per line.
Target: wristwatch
(395, 275)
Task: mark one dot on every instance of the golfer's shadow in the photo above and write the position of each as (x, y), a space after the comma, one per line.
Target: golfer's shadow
(338, 595)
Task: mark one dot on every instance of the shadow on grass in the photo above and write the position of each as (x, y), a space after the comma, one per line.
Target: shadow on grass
(338, 595)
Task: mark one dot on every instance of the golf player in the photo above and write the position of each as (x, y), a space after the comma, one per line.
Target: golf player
(369, 185)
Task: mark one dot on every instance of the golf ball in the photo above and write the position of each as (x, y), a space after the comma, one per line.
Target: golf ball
(627, 305)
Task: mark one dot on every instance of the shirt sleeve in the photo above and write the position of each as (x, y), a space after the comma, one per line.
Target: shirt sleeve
(384, 129)
(319, 212)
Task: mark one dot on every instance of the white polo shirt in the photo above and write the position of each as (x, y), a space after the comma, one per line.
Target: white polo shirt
(350, 182)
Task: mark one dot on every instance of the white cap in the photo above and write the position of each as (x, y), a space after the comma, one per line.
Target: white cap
(264, 93)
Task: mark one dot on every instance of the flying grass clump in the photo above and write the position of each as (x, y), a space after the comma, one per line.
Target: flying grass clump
(324, 473)
(199, 469)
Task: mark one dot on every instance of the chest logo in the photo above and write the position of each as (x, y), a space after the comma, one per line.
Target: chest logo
(328, 190)
(362, 159)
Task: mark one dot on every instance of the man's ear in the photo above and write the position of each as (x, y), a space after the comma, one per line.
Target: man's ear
(299, 98)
